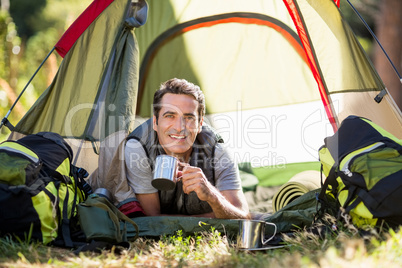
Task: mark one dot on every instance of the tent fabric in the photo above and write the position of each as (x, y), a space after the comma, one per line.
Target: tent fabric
(274, 176)
(278, 77)
(92, 99)
(282, 67)
(242, 53)
(321, 29)
(80, 25)
(225, 49)
(386, 113)
(222, 59)
(110, 178)
(68, 105)
(345, 67)
(293, 8)
(296, 215)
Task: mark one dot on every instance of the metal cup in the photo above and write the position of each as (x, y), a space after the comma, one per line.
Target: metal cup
(251, 234)
(165, 172)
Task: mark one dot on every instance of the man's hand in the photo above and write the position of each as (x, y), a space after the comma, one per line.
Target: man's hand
(194, 180)
(229, 204)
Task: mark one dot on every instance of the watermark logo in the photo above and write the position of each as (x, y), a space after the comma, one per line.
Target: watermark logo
(263, 137)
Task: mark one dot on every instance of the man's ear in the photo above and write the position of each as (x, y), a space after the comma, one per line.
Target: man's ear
(154, 124)
(200, 125)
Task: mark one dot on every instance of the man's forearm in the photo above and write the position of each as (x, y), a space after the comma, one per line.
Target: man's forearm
(223, 209)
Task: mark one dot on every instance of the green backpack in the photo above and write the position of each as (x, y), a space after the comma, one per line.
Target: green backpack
(40, 189)
(362, 164)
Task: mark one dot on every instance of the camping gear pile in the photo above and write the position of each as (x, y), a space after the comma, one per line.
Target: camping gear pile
(40, 189)
(279, 76)
(45, 198)
(363, 173)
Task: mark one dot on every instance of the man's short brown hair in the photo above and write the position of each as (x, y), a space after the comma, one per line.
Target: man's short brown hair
(179, 86)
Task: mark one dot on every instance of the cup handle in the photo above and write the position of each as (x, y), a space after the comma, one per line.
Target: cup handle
(263, 234)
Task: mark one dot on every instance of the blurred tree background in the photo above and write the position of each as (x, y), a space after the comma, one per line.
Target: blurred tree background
(29, 30)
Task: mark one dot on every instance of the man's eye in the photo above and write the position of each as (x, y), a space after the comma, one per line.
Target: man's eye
(169, 116)
(189, 118)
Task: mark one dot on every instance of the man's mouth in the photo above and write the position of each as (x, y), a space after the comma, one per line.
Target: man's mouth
(177, 137)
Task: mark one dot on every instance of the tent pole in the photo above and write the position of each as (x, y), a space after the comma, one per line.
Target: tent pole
(376, 39)
(5, 119)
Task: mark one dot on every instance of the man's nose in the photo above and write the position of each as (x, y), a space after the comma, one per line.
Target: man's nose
(180, 124)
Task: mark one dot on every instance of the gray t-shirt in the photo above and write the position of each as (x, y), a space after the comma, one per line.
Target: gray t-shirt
(139, 172)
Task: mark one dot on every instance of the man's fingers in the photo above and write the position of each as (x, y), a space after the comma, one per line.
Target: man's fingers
(194, 180)
(190, 169)
(192, 186)
(181, 165)
(189, 180)
(188, 188)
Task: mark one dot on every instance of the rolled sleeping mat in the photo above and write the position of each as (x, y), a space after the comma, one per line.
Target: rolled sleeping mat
(298, 185)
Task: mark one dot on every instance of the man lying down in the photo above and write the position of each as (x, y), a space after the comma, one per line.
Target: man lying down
(208, 183)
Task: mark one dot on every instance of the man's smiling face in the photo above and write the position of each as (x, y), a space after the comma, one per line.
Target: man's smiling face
(178, 124)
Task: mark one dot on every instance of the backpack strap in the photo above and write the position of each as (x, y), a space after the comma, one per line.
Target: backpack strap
(79, 183)
(322, 197)
(362, 196)
(330, 180)
(65, 223)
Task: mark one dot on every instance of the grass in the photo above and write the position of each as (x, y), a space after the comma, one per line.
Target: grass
(345, 248)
